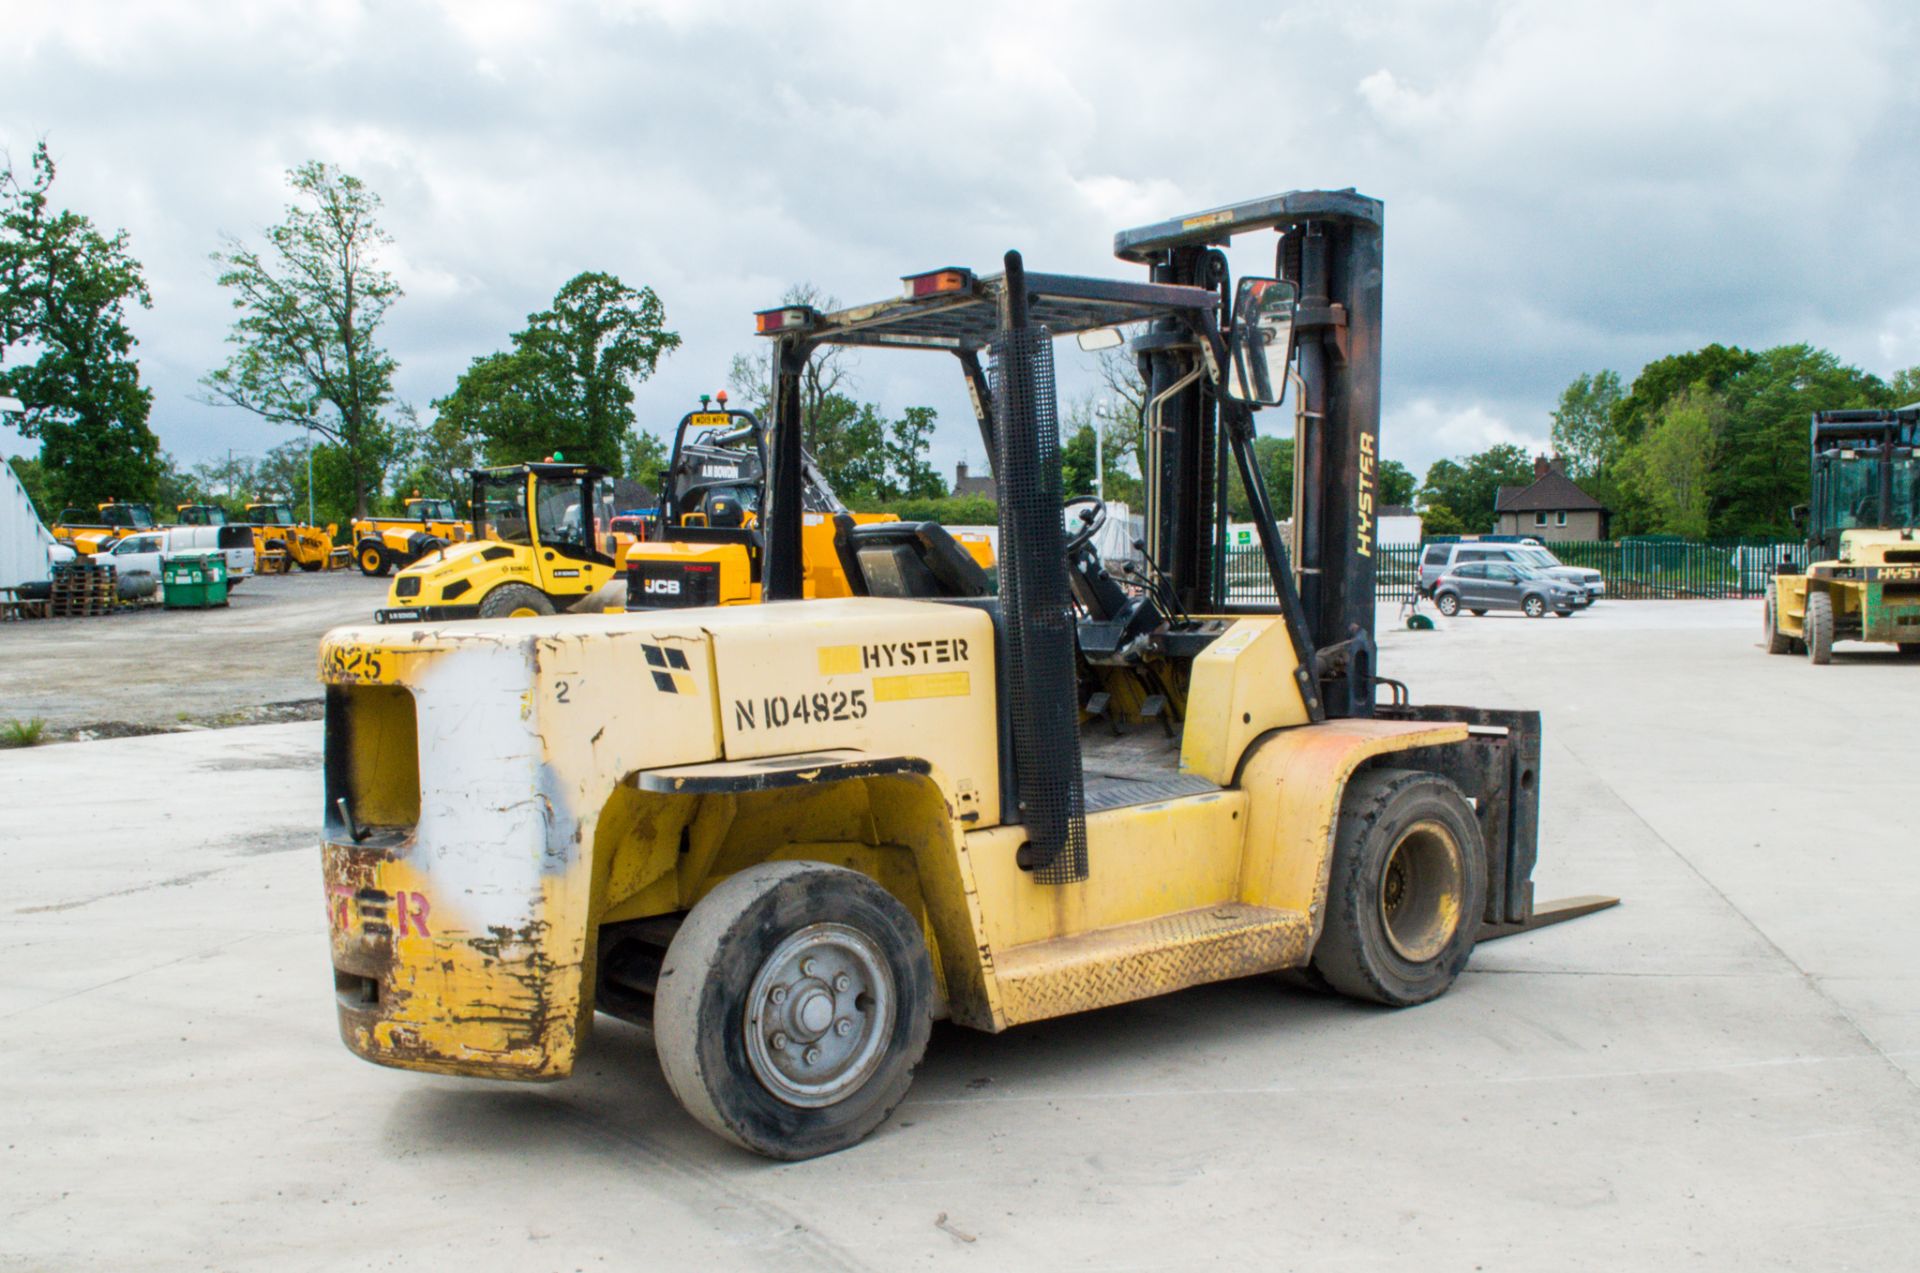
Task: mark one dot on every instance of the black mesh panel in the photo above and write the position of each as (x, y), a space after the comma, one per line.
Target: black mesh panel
(1043, 694)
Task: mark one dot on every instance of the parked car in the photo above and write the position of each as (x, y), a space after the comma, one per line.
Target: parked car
(1480, 586)
(146, 550)
(1442, 557)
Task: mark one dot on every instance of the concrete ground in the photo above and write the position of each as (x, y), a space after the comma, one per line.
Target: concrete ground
(150, 668)
(1721, 1073)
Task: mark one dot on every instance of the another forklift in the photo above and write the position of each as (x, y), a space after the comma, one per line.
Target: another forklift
(705, 546)
(541, 541)
(382, 545)
(1863, 580)
(788, 837)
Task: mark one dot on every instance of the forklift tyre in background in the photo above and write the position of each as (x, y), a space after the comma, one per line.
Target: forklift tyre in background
(1778, 642)
(514, 601)
(793, 1007)
(1408, 885)
(373, 560)
(1819, 627)
(311, 566)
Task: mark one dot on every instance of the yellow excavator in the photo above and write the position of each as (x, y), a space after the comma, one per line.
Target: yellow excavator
(788, 837)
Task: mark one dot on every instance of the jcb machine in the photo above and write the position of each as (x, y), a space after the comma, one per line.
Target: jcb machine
(789, 836)
(110, 523)
(707, 548)
(382, 545)
(1863, 580)
(541, 541)
(199, 515)
(280, 541)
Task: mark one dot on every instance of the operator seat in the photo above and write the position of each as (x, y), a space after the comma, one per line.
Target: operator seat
(906, 559)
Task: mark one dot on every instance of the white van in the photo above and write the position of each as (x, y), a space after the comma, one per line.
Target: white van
(146, 550)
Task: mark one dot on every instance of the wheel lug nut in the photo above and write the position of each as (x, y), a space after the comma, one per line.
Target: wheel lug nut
(841, 982)
(779, 994)
(779, 1041)
(806, 967)
(813, 1056)
(843, 1027)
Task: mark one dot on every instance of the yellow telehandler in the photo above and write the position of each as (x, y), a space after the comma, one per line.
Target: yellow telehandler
(110, 523)
(382, 545)
(788, 837)
(281, 542)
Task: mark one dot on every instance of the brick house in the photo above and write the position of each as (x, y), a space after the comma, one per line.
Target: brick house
(1552, 509)
(965, 484)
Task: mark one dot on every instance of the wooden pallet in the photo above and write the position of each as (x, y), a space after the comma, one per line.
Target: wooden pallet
(81, 589)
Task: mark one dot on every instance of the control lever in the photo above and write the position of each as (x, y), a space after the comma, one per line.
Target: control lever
(1158, 584)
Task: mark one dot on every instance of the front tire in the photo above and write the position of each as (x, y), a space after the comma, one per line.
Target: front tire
(1819, 628)
(373, 561)
(793, 1007)
(1534, 606)
(1778, 642)
(1479, 614)
(514, 601)
(1408, 885)
(1447, 603)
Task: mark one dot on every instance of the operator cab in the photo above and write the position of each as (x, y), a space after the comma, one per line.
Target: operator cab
(565, 508)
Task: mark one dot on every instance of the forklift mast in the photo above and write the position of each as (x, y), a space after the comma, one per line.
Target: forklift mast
(1330, 248)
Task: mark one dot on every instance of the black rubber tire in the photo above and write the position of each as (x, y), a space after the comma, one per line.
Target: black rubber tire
(1533, 605)
(372, 550)
(508, 597)
(1479, 614)
(1819, 627)
(1778, 642)
(700, 1005)
(1447, 603)
(311, 566)
(1908, 649)
(1356, 954)
(1564, 614)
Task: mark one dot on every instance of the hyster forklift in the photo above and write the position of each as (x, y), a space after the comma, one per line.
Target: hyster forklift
(280, 541)
(787, 837)
(542, 541)
(706, 548)
(1863, 580)
(382, 545)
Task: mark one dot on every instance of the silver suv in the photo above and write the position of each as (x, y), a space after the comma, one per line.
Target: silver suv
(1438, 559)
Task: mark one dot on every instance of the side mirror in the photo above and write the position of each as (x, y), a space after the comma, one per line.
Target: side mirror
(1099, 338)
(1260, 345)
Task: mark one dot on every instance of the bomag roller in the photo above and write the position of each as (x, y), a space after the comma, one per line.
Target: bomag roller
(789, 836)
(382, 545)
(1862, 581)
(541, 541)
(706, 547)
(281, 542)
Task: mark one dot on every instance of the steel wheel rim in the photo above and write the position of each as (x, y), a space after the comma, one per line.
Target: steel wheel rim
(819, 1014)
(522, 612)
(1420, 887)
(1535, 607)
(370, 559)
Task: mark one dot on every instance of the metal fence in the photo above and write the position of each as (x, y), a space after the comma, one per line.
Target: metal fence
(1635, 569)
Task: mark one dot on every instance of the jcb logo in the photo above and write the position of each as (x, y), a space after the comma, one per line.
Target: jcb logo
(662, 587)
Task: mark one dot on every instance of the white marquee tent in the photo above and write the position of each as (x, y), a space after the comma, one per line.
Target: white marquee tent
(23, 540)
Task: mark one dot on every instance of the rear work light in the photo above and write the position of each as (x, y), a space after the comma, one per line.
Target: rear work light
(937, 282)
(771, 322)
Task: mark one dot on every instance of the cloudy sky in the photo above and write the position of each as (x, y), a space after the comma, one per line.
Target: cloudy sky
(1568, 185)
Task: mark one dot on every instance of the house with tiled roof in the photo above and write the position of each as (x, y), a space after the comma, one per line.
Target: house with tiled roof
(1552, 509)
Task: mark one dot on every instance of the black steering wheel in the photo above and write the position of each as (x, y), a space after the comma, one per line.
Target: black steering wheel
(1092, 518)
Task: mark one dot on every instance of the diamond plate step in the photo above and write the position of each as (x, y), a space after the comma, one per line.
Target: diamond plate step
(1137, 961)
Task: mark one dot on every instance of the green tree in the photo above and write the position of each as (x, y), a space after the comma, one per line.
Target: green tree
(1274, 456)
(1467, 487)
(1583, 427)
(306, 349)
(567, 384)
(1671, 466)
(1904, 388)
(1077, 462)
(643, 458)
(64, 292)
(33, 480)
(1397, 483)
(908, 439)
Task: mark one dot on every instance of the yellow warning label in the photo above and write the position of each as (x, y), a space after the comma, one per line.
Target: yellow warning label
(1207, 219)
(894, 689)
(838, 660)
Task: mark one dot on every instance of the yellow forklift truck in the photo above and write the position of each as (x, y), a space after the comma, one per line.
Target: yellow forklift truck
(110, 523)
(382, 545)
(705, 546)
(541, 541)
(788, 837)
(281, 542)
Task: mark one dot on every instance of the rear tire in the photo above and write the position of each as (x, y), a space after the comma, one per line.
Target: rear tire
(1406, 891)
(1778, 642)
(1479, 614)
(1819, 627)
(754, 994)
(1448, 604)
(514, 601)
